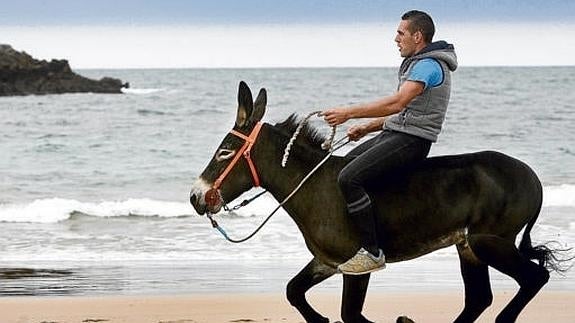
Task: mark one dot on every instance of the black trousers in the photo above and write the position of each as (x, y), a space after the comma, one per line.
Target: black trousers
(379, 155)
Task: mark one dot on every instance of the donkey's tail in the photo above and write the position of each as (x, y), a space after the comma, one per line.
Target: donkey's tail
(549, 257)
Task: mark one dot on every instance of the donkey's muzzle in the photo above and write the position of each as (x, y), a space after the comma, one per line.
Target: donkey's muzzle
(195, 201)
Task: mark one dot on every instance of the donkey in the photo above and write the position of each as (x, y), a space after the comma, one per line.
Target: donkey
(478, 202)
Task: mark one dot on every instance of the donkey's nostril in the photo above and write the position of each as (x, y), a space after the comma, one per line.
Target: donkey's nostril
(212, 197)
(193, 199)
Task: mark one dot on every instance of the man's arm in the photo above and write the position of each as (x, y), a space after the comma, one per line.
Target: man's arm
(356, 132)
(380, 108)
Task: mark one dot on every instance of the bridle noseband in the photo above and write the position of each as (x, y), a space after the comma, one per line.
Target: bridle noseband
(212, 196)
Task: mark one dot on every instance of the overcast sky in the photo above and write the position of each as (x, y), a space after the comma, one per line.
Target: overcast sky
(258, 33)
(268, 11)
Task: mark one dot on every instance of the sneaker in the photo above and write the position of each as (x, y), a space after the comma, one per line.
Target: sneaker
(363, 263)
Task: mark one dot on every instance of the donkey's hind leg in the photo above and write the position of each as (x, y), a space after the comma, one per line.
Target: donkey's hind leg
(354, 291)
(478, 295)
(502, 255)
(312, 274)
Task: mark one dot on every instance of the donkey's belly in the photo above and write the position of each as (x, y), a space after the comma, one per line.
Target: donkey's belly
(407, 250)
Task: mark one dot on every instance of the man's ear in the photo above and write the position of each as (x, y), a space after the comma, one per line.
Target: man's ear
(245, 105)
(418, 36)
(260, 106)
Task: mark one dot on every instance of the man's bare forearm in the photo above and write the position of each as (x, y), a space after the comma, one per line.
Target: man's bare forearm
(374, 125)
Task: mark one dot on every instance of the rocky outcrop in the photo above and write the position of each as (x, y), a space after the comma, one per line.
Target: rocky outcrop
(21, 74)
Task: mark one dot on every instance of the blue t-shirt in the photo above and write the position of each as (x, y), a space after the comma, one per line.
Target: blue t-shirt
(428, 71)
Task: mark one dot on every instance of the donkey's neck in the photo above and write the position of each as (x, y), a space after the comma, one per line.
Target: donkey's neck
(319, 189)
(318, 203)
(276, 179)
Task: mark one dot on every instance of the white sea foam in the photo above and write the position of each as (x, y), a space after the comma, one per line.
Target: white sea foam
(58, 209)
(140, 91)
(561, 195)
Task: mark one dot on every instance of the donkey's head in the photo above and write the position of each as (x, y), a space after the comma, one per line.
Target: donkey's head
(231, 171)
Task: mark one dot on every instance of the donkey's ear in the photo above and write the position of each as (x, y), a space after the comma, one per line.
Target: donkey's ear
(245, 104)
(260, 106)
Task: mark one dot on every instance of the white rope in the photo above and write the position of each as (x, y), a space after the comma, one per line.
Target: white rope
(326, 145)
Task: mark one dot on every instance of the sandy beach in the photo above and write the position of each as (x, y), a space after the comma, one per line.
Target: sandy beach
(553, 306)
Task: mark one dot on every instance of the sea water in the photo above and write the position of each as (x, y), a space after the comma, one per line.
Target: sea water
(94, 188)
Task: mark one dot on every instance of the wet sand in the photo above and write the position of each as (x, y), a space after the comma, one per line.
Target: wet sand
(548, 306)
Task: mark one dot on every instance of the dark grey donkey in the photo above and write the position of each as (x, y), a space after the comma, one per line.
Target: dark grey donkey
(478, 202)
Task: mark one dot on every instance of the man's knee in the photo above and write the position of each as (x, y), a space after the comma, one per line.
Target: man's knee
(344, 180)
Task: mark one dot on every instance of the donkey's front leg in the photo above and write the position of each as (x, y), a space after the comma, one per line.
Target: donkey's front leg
(313, 273)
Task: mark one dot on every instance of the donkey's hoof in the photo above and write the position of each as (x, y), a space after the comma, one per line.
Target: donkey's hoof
(404, 319)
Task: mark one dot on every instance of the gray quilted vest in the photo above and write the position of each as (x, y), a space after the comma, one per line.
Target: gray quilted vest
(424, 115)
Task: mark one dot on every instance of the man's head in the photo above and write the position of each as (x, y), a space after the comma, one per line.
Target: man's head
(415, 31)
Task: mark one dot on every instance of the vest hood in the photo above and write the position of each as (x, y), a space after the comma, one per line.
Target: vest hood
(440, 50)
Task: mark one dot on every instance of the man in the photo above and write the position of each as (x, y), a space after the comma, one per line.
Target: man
(409, 120)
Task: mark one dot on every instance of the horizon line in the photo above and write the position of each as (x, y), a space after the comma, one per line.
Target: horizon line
(301, 67)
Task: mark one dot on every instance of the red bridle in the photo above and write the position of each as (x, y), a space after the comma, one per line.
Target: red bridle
(212, 195)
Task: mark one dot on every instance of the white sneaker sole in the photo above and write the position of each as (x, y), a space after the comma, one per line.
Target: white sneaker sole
(361, 272)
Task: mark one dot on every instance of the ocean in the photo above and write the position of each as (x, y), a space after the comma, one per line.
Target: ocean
(94, 188)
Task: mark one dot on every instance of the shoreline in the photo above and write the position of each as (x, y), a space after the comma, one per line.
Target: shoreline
(439, 306)
(90, 279)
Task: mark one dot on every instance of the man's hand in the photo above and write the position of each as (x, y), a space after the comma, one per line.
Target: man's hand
(335, 116)
(357, 132)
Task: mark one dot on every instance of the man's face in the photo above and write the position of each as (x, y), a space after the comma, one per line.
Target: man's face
(406, 41)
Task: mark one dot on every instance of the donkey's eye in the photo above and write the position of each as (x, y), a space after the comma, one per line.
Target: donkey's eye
(224, 154)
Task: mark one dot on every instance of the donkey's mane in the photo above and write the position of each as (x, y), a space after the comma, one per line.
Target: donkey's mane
(308, 133)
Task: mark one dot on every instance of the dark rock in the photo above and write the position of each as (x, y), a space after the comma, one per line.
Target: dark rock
(21, 74)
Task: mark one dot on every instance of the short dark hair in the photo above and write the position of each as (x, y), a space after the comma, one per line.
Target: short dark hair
(420, 21)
